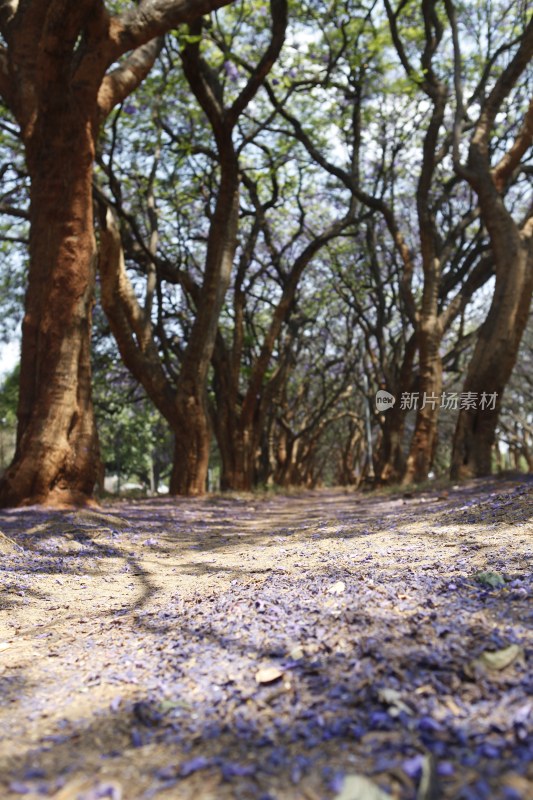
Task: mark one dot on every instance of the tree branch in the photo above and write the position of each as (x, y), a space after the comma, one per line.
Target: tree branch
(510, 161)
(152, 18)
(128, 322)
(501, 90)
(279, 12)
(123, 80)
(6, 84)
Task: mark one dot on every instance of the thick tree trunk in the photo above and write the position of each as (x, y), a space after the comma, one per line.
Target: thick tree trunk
(54, 61)
(512, 248)
(429, 330)
(391, 461)
(350, 455)
(192, 439)
(238, 450)
(57, 457)
(189, 472)
(493, 361)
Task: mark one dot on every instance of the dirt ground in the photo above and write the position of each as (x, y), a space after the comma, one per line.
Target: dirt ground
(270, 647)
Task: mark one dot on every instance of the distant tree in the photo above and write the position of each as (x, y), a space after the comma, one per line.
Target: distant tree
(287, 235)
(389, 147)
(135, 441)
(8, 415)
(223, 94)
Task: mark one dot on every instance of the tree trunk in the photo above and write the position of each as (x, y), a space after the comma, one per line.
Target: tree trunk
(424, 441)
(493, 360)
(192, 439)
(512, 248)
(57, 456)
(190, 466)
(54, 78)
(391, 460)
(237, 451)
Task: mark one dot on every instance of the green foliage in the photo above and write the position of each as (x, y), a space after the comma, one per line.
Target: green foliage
(9, 392)
(361, 114)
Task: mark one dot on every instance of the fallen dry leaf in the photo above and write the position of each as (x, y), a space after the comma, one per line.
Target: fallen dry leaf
(357, 787)
(337, 588)
(268, 675)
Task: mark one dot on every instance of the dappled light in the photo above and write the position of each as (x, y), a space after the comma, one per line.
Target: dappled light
(269, 646)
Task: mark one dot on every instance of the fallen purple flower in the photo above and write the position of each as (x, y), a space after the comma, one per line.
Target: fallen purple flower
(237, 770)
(194, 765)
(444, 768)
(413, 766)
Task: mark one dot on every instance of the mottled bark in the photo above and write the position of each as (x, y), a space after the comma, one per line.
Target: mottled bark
(493, 360)
(56, 459)
(512, 250)
(53, 79)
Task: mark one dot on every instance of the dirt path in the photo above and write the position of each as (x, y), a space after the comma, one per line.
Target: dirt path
(255, 648)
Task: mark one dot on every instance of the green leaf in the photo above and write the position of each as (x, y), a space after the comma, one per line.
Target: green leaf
(492, 579)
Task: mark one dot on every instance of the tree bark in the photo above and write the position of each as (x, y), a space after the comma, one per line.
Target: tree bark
(183, 401)
(193, 435)
(512, 249)
(424, 441)
(494, 358)
(53, 79)
(57, 455)
(192, 440)
(390, 461)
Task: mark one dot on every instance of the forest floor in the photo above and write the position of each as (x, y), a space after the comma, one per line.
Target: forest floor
(325, 645)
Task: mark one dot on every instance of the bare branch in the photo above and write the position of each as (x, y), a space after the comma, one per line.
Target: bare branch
(510, 161)
(460, 113)
(152, 18)
(279, 13)
(123, 80)
(203, 80)
(128, 322)
(502, 89)
(12, 211)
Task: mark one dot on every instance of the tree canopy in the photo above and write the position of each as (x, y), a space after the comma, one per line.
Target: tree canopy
(297, 206)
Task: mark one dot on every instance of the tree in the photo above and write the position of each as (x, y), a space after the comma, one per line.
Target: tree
(8, 407)
(250, 361)
(389, 147)
(181, 395)
(509, 222)
(59, 79)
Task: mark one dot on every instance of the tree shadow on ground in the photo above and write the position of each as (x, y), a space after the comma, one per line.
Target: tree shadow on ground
(407, 620)
(362, 695)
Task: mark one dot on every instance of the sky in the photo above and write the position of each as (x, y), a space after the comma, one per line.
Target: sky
(9, 356)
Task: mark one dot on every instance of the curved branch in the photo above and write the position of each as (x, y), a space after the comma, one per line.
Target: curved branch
(510, 161)
(203, 80)
(128, 322)
(123, 80)
(153, 18)
(279, 12)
